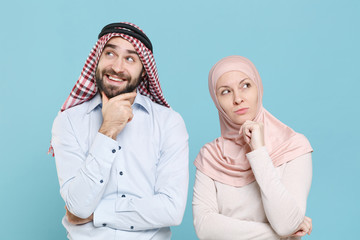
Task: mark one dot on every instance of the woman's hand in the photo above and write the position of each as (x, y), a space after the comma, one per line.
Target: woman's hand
(304, 228)
(253, 134)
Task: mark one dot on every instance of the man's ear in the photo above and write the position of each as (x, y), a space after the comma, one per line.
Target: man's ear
(143, 74)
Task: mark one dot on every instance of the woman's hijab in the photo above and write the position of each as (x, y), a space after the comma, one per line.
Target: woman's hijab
(224, 159)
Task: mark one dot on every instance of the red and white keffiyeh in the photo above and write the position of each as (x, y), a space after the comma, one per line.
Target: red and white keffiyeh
(85, 88)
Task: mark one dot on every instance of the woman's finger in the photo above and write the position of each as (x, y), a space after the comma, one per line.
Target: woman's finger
(310, 230)
(299, 233)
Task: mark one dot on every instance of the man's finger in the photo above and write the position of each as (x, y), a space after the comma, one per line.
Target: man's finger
(105, 99)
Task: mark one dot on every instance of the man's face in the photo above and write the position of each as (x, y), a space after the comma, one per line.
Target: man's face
(119, 69)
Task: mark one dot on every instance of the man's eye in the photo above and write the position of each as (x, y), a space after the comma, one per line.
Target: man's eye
(109, 54)
(225, 92)
(130, 59)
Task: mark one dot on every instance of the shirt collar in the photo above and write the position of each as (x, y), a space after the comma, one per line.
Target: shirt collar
(139, 102)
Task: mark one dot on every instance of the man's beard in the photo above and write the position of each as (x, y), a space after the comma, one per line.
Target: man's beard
(112, 91)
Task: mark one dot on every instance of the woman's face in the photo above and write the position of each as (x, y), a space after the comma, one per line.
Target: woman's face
(238, 96)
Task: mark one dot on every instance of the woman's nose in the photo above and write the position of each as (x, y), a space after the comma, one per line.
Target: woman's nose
(237, 98)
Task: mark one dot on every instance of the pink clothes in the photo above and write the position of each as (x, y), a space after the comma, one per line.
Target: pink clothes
(272, 206)
(224, 159)
(244, 194)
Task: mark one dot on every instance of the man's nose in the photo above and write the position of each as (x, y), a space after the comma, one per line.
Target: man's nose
(118, 65)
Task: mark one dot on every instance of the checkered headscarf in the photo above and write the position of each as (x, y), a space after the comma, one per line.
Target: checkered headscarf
(85, 87)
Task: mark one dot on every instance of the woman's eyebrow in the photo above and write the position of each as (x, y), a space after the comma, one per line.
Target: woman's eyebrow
(243, 80)
(239, 82)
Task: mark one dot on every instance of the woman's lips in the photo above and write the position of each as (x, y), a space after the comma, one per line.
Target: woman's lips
(242, 111)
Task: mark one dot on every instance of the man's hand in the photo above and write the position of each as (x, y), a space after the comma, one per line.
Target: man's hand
(76, 220)
(117, 112)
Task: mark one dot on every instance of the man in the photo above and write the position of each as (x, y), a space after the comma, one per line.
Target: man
(121, 152)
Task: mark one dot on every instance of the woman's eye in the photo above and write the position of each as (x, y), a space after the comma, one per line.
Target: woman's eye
(225, 92)
(246, 85)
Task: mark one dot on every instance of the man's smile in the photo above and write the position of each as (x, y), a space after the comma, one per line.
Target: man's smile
(113, 78)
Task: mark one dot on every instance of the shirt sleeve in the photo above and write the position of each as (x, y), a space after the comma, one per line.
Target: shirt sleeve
(83, 177)
(209, 224)
(284, 198)
(166, 207)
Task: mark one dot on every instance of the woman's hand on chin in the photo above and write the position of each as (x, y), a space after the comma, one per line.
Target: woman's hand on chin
(253, 134)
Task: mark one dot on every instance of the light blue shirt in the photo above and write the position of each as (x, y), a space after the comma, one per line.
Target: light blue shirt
(137, 185)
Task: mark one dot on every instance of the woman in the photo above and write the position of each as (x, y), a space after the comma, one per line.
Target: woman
(253, 181)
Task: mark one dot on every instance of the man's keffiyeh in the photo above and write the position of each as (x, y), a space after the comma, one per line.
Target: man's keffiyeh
(85, 88)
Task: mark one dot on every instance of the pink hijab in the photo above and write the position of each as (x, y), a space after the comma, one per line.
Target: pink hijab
(224, 159)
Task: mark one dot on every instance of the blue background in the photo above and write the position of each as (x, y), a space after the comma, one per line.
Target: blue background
(307, 53)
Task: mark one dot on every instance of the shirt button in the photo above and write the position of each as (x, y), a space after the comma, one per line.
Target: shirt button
(132, 227)
(119, 147)
(101, 181)
(104, 224)
(121, 173)
(123, 195)
(113, 151)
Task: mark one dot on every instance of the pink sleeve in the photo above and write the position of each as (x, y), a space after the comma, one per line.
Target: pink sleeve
(209, 224)
(284, 197)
